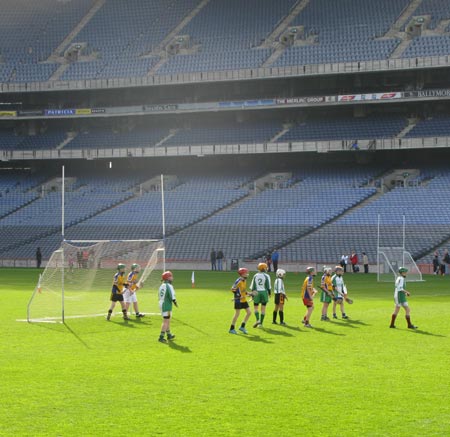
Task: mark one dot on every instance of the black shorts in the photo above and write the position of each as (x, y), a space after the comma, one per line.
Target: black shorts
(115, 297)
(279, 298)
(238, 305)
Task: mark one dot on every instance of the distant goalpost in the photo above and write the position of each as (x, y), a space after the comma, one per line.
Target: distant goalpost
(78, 277)
(391, 257)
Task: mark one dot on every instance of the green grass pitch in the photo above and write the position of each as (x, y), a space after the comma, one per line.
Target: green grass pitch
(90, 377)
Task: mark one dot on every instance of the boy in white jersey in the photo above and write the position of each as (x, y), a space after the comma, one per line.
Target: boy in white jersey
(167, 298)
(400, 300)
(339, 291)
(280, 296)
(261, 286)
(129, 294)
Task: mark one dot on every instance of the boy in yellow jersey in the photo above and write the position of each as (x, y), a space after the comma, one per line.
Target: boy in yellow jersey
(327, 292)
(129, 294)
(119, 285)
(308, 293)
(239, 289)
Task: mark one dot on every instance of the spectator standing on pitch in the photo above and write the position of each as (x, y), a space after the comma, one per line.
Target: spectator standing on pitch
(239, 289)
(344, 262)
(167, 299)
(327, 292)
(118, 287)
(80, 259)
(446, 259)
(213, 257)
(38, 257)
(354, 262)
(436, 263)
(308, 292)
(365, 260)
(261, 286)
(129, 295)
(220, 257)
(280, 296)
(400, 300)
(339, 292)
(275, 259)
(268, 260)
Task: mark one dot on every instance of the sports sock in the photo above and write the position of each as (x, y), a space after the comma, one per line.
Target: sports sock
(161, 335)
(243, 325)
(262, 318)
(257, 316)
(168, 333)
(408, 320)
(394, 316)
(231, 327)
(109, 311)
(124, 313)
(281, 316)
(275, 316)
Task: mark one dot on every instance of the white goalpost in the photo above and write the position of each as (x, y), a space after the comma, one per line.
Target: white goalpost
(78, 277)
(392, 254)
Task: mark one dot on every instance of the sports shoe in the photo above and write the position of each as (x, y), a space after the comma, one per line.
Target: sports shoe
(170, 336)
(334, 316)
(258, 323)
(413, 327)
(140, 315)
(274, 323)
(243, 330)
(283, 323)
(126, 318)
(232, 331)
(308, 325)
(108, 317)
(344, 316)
(392, 326)
(162, 340)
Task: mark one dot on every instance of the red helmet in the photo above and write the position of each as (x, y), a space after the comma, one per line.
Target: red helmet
(167, 276)
(243, 272)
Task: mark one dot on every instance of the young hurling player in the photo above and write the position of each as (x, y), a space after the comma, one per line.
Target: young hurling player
(308, 293)
(167, 298)
(239, 289)
(400, 300)
(339, 291)
(119, 284)
(327, 292)
(261, 285)
(280, 296)
(129, 295)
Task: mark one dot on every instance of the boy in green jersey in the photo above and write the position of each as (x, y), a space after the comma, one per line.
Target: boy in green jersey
(400, 300)
(167, 298)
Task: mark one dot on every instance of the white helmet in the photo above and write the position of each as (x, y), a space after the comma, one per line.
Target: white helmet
(327, 269)
(281, 273)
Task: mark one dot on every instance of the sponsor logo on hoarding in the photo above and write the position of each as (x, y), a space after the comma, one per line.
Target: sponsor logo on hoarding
(83, 111)
(58, 112)
(8, 113)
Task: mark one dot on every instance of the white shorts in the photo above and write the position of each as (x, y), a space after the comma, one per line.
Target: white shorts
(129, 297)
(401, 304)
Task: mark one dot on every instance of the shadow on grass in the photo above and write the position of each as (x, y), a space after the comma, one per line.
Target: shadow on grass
(325, 331)
(252, 337)
(292, 328)
(276, 332)
(179, 347)
(356, 322)
(71, 331)
(420, 331)
(190, 326)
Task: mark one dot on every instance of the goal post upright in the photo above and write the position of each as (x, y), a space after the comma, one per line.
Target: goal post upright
(63, 183)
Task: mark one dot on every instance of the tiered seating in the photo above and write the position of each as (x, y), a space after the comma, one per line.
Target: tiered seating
(120, 32)
(42, 217)
(30, 33)
(428, 46)
(104, 138)
(48, 140)
(228, 32)
(226, 133)
(346, 129)
(357, 230)
(346, 31)
(436, 126)
(437, 9)
(272, 217)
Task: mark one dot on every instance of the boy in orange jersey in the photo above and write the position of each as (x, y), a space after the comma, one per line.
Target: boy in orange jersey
(308, 293)
(239, 289)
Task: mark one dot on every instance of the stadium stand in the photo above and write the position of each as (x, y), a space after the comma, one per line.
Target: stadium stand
(435, 126)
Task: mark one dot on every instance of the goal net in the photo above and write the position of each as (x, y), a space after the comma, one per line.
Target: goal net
(78, 278)
(390, 259)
